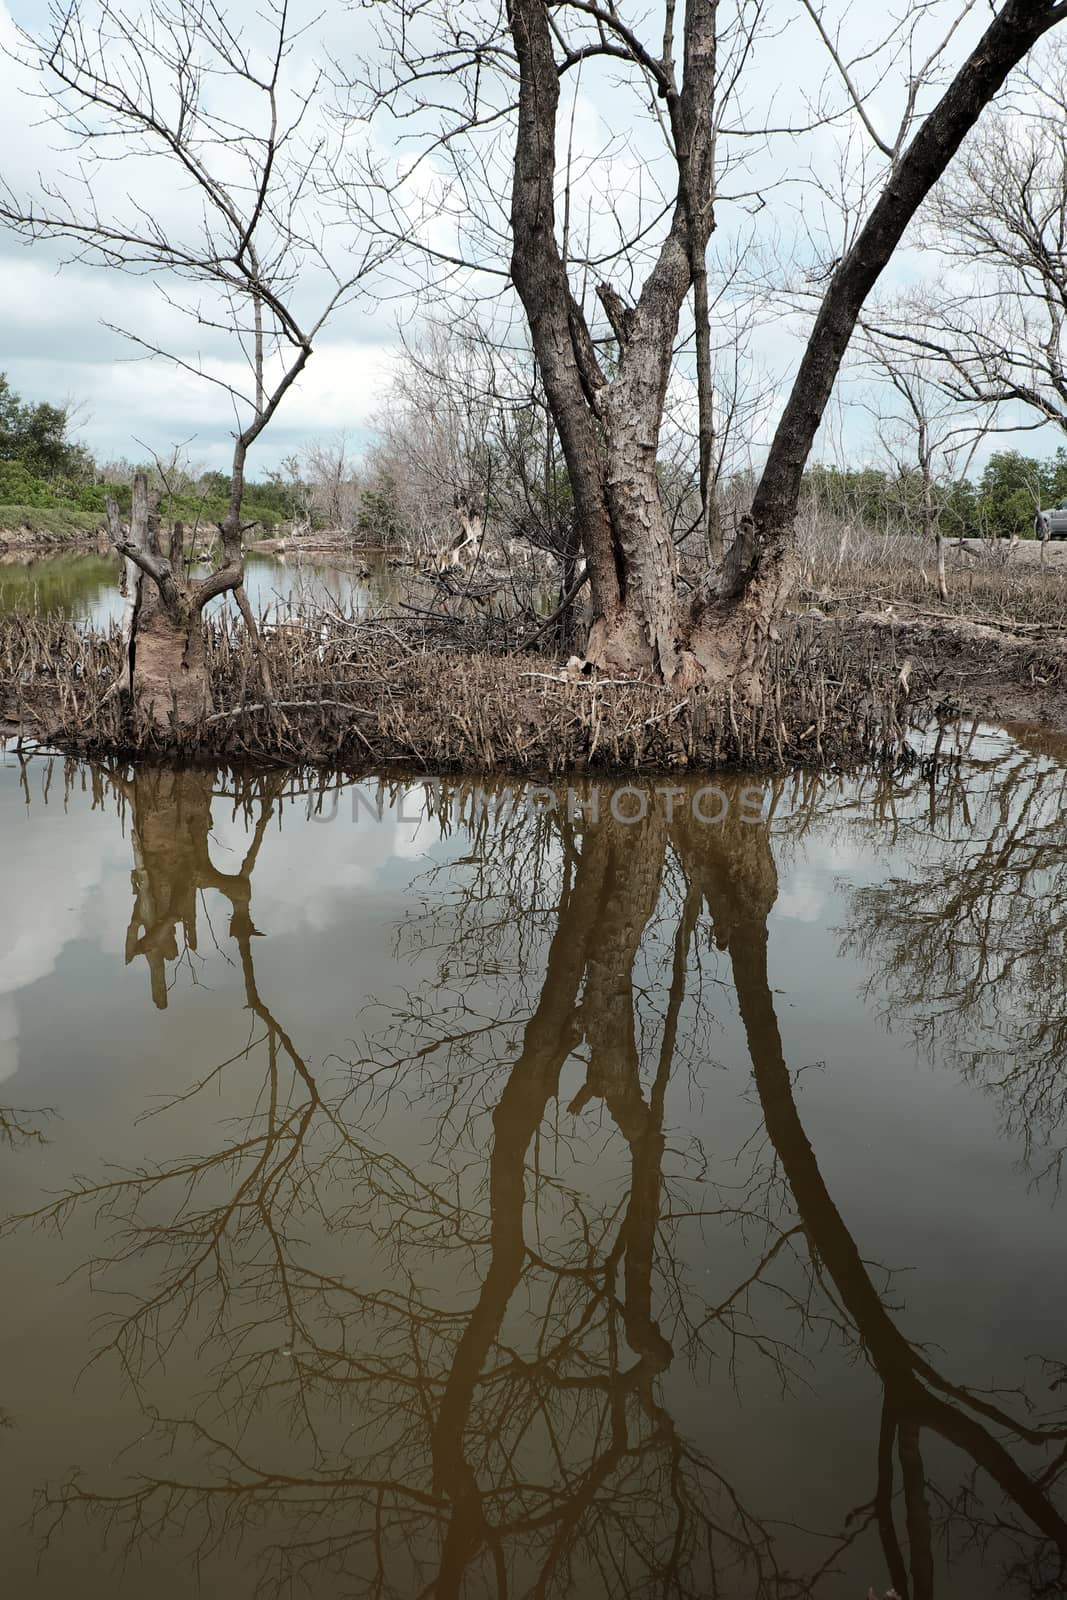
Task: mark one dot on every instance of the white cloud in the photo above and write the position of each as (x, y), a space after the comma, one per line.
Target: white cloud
(51, 873)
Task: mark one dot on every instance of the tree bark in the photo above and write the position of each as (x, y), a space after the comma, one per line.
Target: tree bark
(736, 630)
(610, 430)
(166, 654)
(171, 675)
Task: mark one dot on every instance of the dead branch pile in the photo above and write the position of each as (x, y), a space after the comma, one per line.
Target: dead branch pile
(364, 694)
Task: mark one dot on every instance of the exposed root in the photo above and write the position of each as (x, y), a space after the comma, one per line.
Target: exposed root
(361, 694)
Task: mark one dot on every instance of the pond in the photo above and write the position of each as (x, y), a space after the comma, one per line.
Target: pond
(417, 1188)
(85, 587)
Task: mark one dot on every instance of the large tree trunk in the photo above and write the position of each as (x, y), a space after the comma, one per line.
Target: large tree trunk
(609, 429)
(167, 676)
(166, 658)
(170, 667)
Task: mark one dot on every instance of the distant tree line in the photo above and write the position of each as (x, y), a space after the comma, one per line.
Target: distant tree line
(37, 456)
(42, 469)
(635, 301)
(1001, 502)
(505, 455)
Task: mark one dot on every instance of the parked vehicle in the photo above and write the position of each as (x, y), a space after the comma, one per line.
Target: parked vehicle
(1051, 524)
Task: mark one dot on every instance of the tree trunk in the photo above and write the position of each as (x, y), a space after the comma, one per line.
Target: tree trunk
(162, 628)
(942, 580)
(162, 632)
(170, 666)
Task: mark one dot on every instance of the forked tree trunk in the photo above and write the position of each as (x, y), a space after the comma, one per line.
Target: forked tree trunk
(609, 429)
(166, 658)
(166, 655)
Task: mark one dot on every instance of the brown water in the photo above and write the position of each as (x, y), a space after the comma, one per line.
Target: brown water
(495, 1200)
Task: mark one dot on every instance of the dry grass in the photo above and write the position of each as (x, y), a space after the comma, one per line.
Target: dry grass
(365, 694)
(846, 566)
(440, 685)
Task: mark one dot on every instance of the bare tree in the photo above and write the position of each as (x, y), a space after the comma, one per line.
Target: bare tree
(607, 389)
(332, 485)
(437, 434)
(208, 111)
(999, 226)
(926, 434)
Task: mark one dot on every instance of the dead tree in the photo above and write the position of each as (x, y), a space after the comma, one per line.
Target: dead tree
(610, 426)
(607, 390)
(997, 328)
(470, 515)
(147, 83)
(925, 432)
(330, 482)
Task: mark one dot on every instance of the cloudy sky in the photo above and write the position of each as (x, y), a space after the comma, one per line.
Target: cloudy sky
(54, 339)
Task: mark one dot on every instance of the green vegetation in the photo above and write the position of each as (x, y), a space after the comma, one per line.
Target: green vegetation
(53, 487)
(381, 515)
(43, 475)
(1002, 502)
(34, 437)
(54, 521)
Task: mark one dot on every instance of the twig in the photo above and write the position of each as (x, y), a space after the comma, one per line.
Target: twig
(670, 712)
(285, 705)
(593, 683)
(571, 594)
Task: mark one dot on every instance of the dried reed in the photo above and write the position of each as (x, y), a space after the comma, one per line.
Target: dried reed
(366, 693)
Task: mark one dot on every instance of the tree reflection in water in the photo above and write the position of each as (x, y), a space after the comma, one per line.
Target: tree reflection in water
(969, 949)
(19, 1128)
(448, 1373)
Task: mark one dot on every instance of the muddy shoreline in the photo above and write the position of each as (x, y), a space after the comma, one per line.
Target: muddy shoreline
(840, 690)
(958, 666)
(28, 544)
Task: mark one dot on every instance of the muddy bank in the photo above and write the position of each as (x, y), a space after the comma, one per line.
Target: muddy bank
(21, 544)
(366, 695)
(840, 689)
(1002, 670)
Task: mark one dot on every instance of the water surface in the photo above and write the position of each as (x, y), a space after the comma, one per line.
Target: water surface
(85, 587)
(413, 1191)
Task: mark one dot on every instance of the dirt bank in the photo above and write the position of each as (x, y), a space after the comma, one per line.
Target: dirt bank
(957, 665)
(841, 690)
(24, 543)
